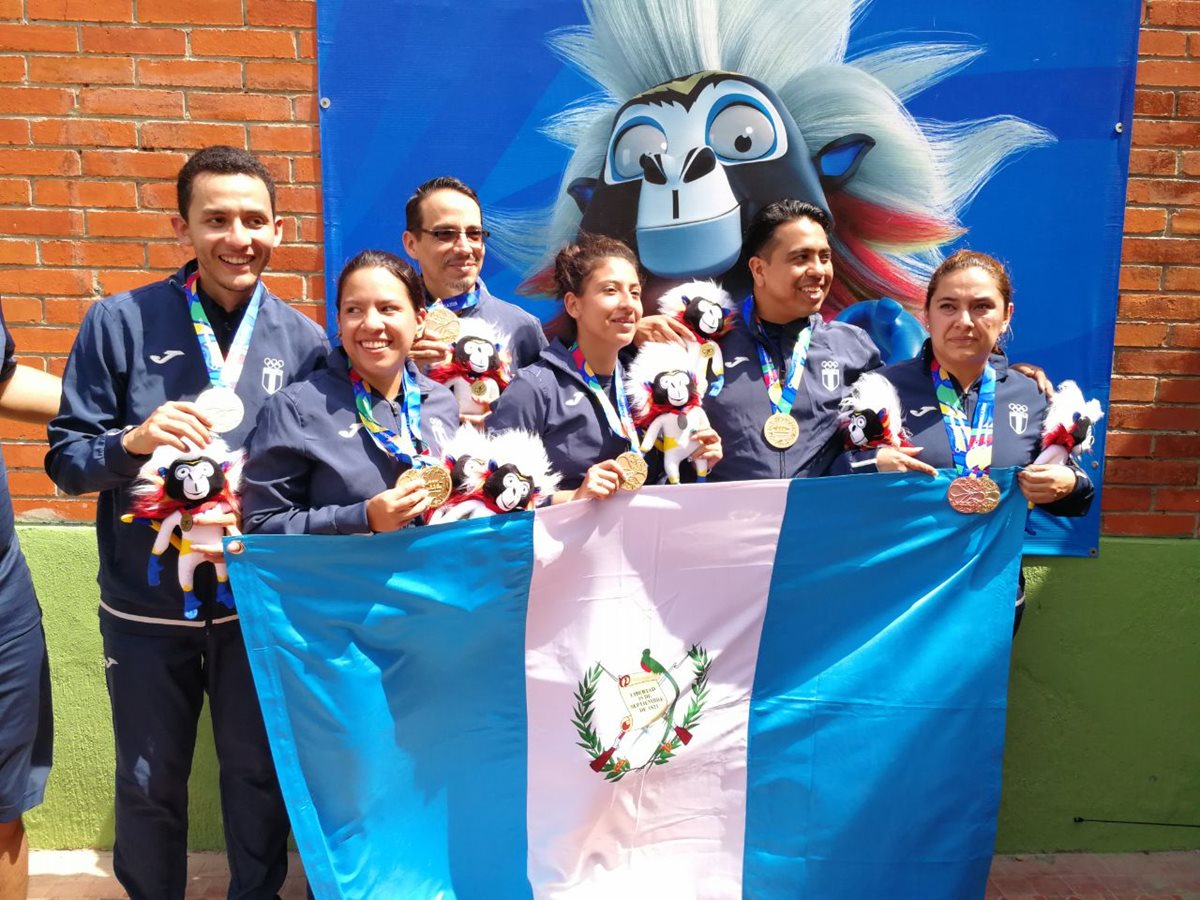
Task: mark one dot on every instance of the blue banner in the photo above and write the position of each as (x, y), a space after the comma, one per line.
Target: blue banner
(922, 127)
(603, 698)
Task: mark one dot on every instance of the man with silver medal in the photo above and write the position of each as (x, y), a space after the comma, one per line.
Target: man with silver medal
(170, 366)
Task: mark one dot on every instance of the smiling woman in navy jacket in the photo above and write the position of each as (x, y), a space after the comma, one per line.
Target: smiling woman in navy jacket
(327, 452)
(968, 306)
(573, 395)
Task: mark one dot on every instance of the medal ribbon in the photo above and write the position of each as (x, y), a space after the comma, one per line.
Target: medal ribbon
(619, 419)
(781, 396)
(970, 443)
(406, 447)
(461, 303)
(222, 371)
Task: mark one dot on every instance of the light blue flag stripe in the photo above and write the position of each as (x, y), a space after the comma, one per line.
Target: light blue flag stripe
(395, 697)
(877, 723)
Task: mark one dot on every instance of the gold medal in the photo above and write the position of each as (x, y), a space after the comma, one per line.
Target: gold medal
(633, 470)
(707, 350)
(442, 324)
(781, 431)
(973, 495)
(479, 390)
(434, 478)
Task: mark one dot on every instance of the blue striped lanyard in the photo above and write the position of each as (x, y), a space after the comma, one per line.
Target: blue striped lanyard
(406, 446)
(619, 419)
(781, 397)
(461, 303)
(222, 371)
(970, 442)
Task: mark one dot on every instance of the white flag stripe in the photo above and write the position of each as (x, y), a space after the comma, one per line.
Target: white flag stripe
(602, 596)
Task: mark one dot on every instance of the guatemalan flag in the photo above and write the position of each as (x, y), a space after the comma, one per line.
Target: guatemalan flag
(761, 690)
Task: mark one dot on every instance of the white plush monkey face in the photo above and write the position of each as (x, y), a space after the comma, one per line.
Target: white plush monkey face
(194, 480)
(711, 315)
(857, 427)
(675, 387)
(479, 354)
(514, 492)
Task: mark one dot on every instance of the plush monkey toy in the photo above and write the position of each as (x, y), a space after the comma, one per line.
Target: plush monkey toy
(708, 310)
(666, 405)
(172, 488)
(870, 415)
(479, 367)
(1069, 429)
(503, 473)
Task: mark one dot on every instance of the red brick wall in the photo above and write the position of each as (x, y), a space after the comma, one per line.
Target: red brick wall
(101, 101)
(1152, 475)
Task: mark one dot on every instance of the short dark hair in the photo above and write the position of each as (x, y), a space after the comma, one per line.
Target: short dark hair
(220, 160)
(771, 216)
(412, 209)
(389, 262)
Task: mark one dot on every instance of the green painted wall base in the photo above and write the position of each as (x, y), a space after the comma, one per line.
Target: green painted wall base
(1104, 703)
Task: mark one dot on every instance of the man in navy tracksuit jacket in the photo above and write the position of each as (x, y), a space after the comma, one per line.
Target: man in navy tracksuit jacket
(444, 234)
(789, 258)
(133, 373)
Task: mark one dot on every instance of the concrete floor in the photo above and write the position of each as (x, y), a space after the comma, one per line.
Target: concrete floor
(87, 875)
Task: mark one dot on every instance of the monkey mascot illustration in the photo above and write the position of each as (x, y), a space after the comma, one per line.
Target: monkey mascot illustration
(870, 415)
(1070, 426)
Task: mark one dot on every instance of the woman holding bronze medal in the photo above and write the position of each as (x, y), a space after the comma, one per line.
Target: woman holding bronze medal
(573, 395)
(352, 449)
(965, 408)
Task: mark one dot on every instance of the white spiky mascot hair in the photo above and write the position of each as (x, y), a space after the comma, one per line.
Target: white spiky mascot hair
(468, 442)
(903, 202)
(674, 302)
(651, 361)
(873, 395)
(525, 451)
(149, 496)
(1070, 423)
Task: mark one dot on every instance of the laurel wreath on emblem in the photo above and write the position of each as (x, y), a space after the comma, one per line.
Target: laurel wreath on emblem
(605, 761)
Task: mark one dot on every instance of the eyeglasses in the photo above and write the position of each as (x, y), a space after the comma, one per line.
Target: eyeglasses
(451, 235)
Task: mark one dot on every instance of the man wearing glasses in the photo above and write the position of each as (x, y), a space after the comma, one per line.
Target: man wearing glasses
(444, 233)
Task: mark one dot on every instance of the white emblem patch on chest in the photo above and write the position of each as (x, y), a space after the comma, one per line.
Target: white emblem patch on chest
(831, 375)
(272, 375)
(1018, 417)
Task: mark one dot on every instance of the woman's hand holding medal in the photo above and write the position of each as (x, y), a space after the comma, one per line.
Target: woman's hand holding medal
(602, 480)
(394, 508)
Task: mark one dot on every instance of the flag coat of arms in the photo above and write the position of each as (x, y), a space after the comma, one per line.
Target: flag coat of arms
(761, 690)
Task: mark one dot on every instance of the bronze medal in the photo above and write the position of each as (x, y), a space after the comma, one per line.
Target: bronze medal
(781, 431)
(442, 324)
(479, 390)
(185, 521)
(707, 350)
(633, 470)
(973, 495)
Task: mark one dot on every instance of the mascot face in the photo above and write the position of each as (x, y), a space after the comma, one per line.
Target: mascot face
(467, 469)
(194, 481)
(689, 164)
(864, 426)
(675, 388)
(476, 354)
(703, 315)
(508, 488)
